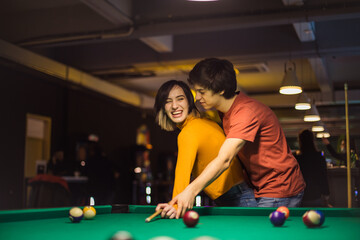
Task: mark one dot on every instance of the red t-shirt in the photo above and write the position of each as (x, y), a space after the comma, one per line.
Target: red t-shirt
(272, 168)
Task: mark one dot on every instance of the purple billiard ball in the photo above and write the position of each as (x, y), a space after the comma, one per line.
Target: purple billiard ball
(277, 218)
(76, 214)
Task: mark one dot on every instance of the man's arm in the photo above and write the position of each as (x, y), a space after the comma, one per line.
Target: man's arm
(228, 150)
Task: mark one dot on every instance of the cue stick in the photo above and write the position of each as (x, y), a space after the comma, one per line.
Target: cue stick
(154, 215)
(347, 146)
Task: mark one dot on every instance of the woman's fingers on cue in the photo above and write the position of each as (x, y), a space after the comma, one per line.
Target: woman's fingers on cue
(166, 211)
(160, 206)
(170, 212)
(179, 211)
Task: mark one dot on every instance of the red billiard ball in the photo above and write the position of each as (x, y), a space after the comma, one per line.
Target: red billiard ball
(191, 218)
(277, 218)
(312, 218)
(284, 210)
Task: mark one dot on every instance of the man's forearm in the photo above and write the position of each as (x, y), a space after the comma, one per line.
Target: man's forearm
(212, 171)
(216, 167)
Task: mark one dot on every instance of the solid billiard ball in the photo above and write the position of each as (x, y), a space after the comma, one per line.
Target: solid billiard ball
(284, 210)
(277, 218)
(311, 218)
(122, 235)
(89, 212)
(76, 214)
(191, 218)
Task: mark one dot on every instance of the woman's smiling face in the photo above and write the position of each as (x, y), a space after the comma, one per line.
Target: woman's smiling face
(177, 106)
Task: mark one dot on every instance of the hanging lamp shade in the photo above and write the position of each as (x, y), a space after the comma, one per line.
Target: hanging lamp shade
(303, 102)
(324, 134)
(318, 127)
(290, 84)
(312, 115)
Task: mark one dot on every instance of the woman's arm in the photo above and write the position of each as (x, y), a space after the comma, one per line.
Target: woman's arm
(187, 151)
(229, 149)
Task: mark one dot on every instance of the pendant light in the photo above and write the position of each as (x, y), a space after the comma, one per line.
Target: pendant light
(324, 134)
(312, 115)
(318, 127)
(290, 84)
(303, 102)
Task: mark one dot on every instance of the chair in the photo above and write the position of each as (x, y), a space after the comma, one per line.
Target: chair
(48, 191)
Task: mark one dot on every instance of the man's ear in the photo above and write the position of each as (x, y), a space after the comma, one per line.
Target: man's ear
(222, 92)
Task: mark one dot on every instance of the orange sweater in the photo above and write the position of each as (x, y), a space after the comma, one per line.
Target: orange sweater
(199, 143)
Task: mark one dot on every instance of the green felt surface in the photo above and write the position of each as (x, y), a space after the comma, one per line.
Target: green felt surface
(221, 223)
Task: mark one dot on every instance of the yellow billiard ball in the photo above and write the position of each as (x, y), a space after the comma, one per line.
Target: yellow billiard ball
(89, 212)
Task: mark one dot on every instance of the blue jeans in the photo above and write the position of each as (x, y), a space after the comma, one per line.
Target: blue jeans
(240, 195)
(294, 201)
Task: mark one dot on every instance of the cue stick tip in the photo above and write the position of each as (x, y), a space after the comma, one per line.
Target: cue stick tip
(153, 215)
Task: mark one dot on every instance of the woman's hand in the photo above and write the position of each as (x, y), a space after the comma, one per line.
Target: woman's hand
(168, 211)
(184, 201)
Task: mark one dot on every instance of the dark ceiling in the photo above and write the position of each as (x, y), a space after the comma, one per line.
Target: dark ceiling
(137, 45)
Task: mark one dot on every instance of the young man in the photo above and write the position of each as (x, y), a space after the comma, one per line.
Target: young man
(199, 141)
(253, 132)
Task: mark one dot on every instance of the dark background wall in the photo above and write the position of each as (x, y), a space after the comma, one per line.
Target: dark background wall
(75, 113)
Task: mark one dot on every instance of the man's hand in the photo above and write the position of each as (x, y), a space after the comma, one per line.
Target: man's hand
(184, 201)
(168, 211)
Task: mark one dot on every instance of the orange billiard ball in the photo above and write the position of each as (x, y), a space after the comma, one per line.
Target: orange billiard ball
(284, 210)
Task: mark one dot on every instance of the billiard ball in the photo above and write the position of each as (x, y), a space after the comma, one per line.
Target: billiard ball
(76, 214)
(205, 238)
(162, 238)
(191, 218)
(311, 218)
(277, 218)
(284, 210)
(322, 217)
(89, 212)
(122, 235)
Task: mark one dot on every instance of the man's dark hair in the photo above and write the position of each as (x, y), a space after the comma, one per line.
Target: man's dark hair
(216, 75)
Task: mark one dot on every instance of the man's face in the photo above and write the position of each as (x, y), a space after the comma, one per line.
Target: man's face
(207, 98)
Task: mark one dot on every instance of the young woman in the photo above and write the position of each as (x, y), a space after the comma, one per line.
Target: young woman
(199, 142)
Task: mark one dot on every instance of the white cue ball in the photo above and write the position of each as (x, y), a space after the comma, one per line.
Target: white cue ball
(162, 238)
(205, 238)
(122, 235)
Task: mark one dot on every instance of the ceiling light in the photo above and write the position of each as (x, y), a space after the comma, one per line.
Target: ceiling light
(312, 115)
(318, 127)
(290, 84)
(303, 102)
(323, 135)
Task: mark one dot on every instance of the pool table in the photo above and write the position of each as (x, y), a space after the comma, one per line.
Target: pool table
(218, 222)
